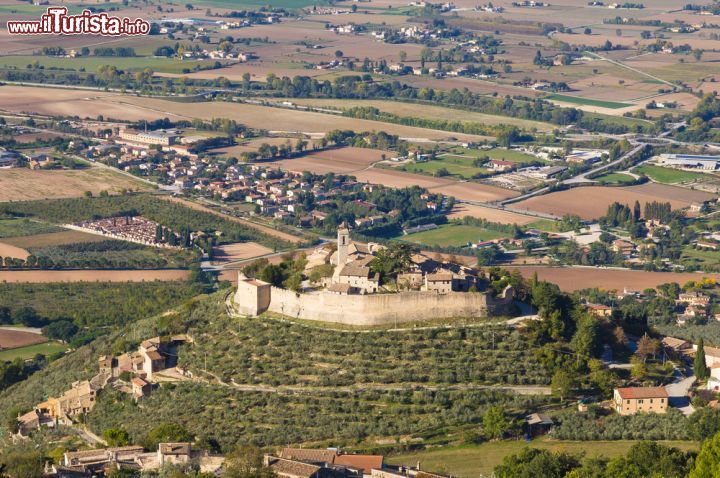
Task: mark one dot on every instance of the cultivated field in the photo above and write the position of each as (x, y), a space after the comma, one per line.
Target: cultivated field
(30, 351)
(339, 161)
(461, 190)
(592, 202)
(85, 104)
(452, 235)
(19, 184)
(8, 250)
(12, 339)
(239, 251)
(576, 278)
(53, 239)
(422, 110)
(493, 215)
(668, 175)
(94, 276)
(282, 119)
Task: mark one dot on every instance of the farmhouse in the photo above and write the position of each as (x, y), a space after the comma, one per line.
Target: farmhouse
(631, 400)
(693, 298)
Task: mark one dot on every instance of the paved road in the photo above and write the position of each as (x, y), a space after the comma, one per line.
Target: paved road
(678, 392)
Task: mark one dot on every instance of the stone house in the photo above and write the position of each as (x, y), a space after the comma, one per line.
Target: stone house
(439, 282)
(174, 453)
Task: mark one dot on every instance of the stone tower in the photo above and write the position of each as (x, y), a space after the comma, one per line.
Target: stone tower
(342, 244)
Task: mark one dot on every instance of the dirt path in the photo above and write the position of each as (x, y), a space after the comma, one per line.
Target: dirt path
(264, 229)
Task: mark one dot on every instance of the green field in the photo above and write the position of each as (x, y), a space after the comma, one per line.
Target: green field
(587, 101)
(459, 162)
(480, 460)
(497, 153)
(456, 166)
(25, 227)
(92, 63)
(699, 257)
(25, 353)
(544, 225)
(667, 175)
(615, 178)
(453, 235)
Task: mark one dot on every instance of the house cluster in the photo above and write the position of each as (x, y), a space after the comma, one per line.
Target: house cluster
(102, 461)
(489, 8)
(175, 164)
(62, 410)
(155, 360)
(353, 273)
(695, 307)
(333, 463)
(135, 229)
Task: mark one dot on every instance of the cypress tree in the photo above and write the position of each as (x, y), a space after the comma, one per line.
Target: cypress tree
(700, 367)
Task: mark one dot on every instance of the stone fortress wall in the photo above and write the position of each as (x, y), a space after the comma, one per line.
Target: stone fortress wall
(254, 297)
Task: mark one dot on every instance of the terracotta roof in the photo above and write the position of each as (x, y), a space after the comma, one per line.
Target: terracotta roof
(308, 454)
(361, 462)
(642, 392)
(285, 467)
(137, 381)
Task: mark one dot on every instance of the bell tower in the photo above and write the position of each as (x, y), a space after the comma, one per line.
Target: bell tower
(343, 242)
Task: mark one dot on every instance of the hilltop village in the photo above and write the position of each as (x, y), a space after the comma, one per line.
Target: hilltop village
(360, 239)
(354, 294)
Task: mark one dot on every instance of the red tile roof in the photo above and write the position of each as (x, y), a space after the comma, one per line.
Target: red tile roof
(361, 462)
(642, 392)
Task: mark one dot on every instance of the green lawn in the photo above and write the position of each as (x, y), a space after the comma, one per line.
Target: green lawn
(667, 175)
(453, 235)
(544, 225)
(616, 120)
(25, 227)
(615, 178)
(92, 63)
(459, 167)
(587, 101)
(475, 460)
(24, 353)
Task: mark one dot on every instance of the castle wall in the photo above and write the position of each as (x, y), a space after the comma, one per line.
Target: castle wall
(381, 309)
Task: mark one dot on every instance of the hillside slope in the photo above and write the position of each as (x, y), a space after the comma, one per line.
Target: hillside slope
(270, 382)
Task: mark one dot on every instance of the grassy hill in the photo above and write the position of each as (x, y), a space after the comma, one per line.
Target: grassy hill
(271, 382)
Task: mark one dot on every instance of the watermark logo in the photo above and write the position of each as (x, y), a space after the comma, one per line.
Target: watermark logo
(57, 22)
